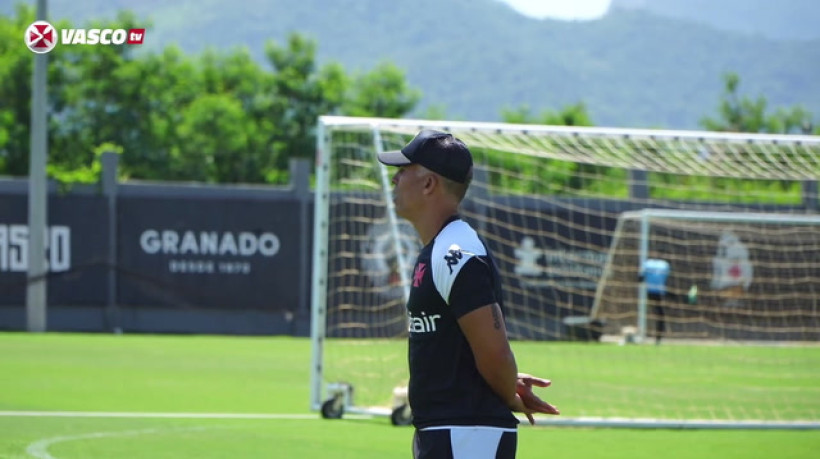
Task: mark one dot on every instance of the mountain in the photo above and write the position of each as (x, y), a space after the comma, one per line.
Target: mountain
(632, 68)
(779, 20)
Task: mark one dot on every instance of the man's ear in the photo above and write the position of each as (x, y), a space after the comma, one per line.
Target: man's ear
(430, 183)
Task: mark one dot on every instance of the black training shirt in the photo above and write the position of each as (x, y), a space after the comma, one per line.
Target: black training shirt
(453, 275)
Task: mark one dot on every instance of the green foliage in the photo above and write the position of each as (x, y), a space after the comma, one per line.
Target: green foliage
(89, 99)
(301, 94)
(724, 190)
(89, 174)
(738, 113)
(383, 92)
(15, 90)
(216, 117)
(218, 136)
(571, 115)
(564, 177)
(435, 112)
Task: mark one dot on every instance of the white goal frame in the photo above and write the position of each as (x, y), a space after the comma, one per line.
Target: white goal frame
(342, 394)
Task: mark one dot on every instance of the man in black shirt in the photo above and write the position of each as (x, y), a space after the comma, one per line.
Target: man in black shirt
(464, 381)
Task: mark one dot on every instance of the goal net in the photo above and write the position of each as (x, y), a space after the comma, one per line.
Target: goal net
(570, 214)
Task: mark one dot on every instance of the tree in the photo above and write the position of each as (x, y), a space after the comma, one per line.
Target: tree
(738, 113)
(93, 103)
(156, 89)
(301, 94)
(566, 175)
(382, 92)
(15, 80)
(571, 115)
(224, 131)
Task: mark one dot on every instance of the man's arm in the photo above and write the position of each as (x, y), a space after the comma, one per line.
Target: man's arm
(485, 331)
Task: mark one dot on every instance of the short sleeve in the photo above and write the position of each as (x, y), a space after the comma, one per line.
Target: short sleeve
(473, 288)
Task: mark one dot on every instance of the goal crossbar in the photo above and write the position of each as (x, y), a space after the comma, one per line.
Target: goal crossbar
(722, 216)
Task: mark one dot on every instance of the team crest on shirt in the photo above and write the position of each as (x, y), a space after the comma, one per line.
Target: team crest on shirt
(418, 275)
(453, 256)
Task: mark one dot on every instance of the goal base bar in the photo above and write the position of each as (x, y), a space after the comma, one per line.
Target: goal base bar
(627, 423)
(363, 412)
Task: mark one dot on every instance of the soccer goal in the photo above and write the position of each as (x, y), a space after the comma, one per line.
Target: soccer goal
(737, 276)
(570, 213)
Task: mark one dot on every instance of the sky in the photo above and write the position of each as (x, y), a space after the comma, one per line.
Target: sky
(561, 9)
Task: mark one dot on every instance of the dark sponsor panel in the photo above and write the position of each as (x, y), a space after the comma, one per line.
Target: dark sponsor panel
(210, 253)
(76, 250)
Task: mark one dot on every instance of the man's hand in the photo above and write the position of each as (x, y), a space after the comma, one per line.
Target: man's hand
(529, 402)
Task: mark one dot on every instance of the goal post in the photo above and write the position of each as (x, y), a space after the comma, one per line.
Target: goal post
(569, 213)
(373, 186)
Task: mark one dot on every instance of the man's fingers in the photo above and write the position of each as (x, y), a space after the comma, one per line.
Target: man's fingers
(536, 404)
(533, 381)
(531, 419)
(551, 410)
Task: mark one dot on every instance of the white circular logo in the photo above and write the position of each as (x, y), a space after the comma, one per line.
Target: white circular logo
(379, 260)
(41, 37)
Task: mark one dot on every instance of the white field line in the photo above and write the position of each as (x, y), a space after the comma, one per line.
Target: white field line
(107, 414)
(39, 448)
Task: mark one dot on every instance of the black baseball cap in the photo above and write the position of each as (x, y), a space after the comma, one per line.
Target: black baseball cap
(438, 151)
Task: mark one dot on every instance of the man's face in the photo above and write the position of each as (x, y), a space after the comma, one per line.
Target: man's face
(408, 185)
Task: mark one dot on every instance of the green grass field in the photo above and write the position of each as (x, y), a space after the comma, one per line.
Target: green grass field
(93, 374)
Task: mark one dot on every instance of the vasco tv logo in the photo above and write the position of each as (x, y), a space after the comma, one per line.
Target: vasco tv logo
(42, 37)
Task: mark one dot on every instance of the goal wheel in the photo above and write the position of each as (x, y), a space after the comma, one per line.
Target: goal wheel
(401, 416)
(333, 408)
